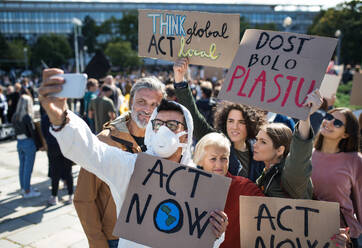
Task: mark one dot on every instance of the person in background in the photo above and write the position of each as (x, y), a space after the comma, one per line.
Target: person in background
(206, 105)
(92, 89)
(337, 167)
(13, 99)
(59, 166)
(25, 134)
(93, 197)
(3, 107)
(170, 92)
(26, 85)
(238, 122)
(102, 109)
(279, 118)
(212, 155)
(116, 95)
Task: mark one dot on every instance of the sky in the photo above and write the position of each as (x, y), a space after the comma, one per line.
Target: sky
(324, 3)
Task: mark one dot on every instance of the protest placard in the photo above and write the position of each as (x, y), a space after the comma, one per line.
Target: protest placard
(213, 73)
(169, 204)
(331, 82)
(356, 91)
(276, 70)
(206, 38)
(267, 222)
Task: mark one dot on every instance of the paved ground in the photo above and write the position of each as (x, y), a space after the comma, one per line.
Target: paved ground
(30, 222)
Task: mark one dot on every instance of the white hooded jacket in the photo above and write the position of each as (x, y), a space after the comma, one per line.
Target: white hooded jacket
(110, 164)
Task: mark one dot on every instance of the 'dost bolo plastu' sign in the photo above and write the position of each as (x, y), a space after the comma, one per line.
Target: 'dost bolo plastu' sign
(271, 222)
(205, 38)
(276, 70)
(169, 204)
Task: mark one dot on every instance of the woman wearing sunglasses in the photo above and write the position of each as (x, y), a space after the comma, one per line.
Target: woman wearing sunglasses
(337, 167)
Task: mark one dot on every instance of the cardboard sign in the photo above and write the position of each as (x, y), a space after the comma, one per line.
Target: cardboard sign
(330, 83)
(206, 38)
(169, 204)
(212, 72)
(276, 70)
(273, 222)
(356, 91)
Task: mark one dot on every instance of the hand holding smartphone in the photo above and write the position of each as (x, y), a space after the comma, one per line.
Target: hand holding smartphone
(74, 86)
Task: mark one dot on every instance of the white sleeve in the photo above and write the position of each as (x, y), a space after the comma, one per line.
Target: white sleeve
(219, 241)
(110, 164)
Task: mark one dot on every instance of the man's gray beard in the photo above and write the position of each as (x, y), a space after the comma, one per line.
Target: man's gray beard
(138, 122)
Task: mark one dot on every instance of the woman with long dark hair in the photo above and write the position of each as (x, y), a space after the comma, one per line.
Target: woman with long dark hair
(337, 167)
(239, 123)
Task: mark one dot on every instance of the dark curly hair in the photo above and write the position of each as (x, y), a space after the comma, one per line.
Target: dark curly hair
(253, 117)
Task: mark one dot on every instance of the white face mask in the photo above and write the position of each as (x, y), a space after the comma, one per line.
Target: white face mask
(164, 142)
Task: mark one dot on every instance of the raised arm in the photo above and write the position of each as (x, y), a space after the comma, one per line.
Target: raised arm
(78, 144)
(298, 168)
(184, 97)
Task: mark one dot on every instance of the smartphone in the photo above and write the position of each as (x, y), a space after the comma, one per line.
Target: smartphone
(74, 86)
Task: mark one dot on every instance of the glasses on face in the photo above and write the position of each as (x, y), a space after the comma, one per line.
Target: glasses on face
(337, 123)
(171, 124)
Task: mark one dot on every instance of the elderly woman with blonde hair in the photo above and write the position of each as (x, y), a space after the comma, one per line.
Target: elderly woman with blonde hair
(212, 154)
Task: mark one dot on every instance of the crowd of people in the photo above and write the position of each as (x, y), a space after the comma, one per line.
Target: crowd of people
(173, 116)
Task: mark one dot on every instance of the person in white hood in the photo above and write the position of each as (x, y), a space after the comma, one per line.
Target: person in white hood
(168, 135)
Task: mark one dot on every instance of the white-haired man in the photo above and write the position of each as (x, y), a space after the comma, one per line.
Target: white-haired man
(93, 199)
(110, 164)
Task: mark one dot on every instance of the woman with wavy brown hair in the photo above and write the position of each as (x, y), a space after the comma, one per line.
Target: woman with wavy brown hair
(337, 167)
(238, 122)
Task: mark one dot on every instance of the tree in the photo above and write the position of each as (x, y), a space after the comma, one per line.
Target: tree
(110, 29)
(12, 53)
(90, 31)
(346, 17)
(121, 54)
(128, 28)
(53, 49)
(244, 25)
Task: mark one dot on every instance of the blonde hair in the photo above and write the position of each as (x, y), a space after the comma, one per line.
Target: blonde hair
(211, 139)
(24, 107)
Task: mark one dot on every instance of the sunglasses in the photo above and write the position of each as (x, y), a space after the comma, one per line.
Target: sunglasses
(337, 123)
(171, 124)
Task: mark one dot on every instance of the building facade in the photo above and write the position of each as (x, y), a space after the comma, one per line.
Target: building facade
(32, 18)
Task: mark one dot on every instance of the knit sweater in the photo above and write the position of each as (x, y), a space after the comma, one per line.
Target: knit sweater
(338, 178)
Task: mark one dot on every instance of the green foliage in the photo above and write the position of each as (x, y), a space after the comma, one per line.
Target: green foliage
(266, 26)
(128, 28)
(348, 19)
(121, 54)
(343, 96)
(110, 29)
(12, 53)
(53, 49)
(244, 25)
(90, 31)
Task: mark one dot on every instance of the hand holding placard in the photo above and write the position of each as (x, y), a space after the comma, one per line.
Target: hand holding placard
(205, 38)
(170, 204)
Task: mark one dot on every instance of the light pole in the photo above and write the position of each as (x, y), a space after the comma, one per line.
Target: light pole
(287, 23)
(338, 34)
(77, 24)
(26, 58)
